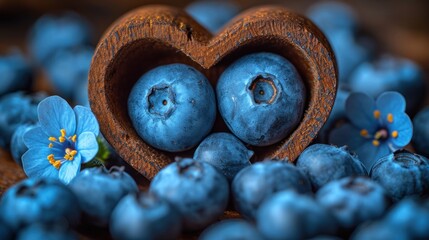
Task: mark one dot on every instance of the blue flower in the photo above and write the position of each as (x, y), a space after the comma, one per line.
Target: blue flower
(375, 128)
(64, 139)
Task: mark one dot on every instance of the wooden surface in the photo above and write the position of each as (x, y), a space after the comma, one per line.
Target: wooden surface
(155, 35)
(10, 172)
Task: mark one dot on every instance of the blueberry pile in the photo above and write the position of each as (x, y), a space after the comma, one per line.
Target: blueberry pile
(372, 185)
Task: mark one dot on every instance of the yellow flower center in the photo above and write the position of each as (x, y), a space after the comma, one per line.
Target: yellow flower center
(62, 142)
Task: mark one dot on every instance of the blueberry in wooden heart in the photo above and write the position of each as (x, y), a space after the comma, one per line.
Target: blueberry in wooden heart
(172, 107)
(261, 98)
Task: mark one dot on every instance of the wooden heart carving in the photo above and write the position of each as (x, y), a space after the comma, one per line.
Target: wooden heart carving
(155, 35)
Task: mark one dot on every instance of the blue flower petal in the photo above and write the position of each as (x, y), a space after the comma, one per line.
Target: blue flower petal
(360, 111)
(87, 146)
(390, 102)
(86, 121)
(36, 138)
(56, 114)
(403, 125)
(36, 164)
(369, 154)
(69, 169)
(347, 134)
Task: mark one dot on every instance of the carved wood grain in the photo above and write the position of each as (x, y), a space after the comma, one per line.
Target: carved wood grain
(155, 35)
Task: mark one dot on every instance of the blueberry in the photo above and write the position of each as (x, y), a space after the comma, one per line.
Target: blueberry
(390, 73)
(323, 163)
(99, 190)
(337, 115)
(225, 152)
(144, 216)
(255, 183)
(261, 98)
(80, 95)
(45, 201)
(172, 107)
(16, 109)
(16, 73)
(353, 200)
(333, 16)
(290, 215)
(411, 215)
(17, 146)
(421, 132)
(350, 53)
(231, 229)
(56, 32)
(196, 189)
(6, 232)
(379, 231)
(339, 23)
(325, 237)
(402, 174)
(46, 232)
(212, 14)
(68, 70)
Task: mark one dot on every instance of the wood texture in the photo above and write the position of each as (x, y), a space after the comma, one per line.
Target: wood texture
(10, 172)
(155, 35)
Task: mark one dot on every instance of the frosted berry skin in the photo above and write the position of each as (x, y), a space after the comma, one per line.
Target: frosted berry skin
(172, 107)
(354, 200)
(197, 189)
(290, 215)
(225, 152)
(261, 98)
(58, 231)
(46, 201)
(421, 132)
(253, 184)
(231, 229)
(323, 163)
(144, 216)
(402, 174)
(99, 190)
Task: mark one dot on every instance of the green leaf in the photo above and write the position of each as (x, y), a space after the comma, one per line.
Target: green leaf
(102, 156)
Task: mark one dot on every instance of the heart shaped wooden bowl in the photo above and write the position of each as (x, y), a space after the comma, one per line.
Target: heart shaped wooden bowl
(156, 35)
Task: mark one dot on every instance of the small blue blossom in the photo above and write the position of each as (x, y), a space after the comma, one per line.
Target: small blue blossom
(375, 128)
(64, 139)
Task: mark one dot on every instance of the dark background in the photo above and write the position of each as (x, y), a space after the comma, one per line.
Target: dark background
(402, 26)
